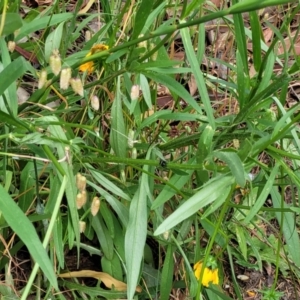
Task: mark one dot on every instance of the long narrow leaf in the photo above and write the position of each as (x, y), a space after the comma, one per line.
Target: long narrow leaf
(136, 233)
(198, 75)
(20, 224)
(217, 187)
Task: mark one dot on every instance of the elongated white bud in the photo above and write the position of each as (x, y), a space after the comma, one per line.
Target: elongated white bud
(82, 226)
(55, 62)
(65, 77)
(42, 79)
(77, 86)
(95, 206)
(11, 45)
(135, 92)
(95, 102)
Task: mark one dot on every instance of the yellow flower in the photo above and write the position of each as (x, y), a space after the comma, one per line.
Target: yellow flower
(89, 66)
(209, 275)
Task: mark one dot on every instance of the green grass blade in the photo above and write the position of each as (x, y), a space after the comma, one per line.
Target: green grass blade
(288, 227)
(141, 17)
(263, 195)
(216, 187)
(12, 22)
(234, 163)
(176, 180)
(256, 40)
(118, 138)
(175, 87)
(27, 233)
(41, 23)
(11, 73)
(192, 58)
(240, 38)
(167, 274)
(136, 232)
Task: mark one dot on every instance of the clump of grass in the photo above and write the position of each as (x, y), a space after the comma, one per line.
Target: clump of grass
(155, 200)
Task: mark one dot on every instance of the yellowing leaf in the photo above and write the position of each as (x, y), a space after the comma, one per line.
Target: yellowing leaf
(108, 280)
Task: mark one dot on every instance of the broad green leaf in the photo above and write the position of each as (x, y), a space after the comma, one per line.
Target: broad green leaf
(205, 144)
(27, 186)
(10, 93)
(53, 40)
(263, 195)
(12, 72)
(168, 114)
(256, 38)
(241, 80)
(104, 237)
(214, 188)
(42, 22)
(118, 138)
(136, 232)
(135, 238)
(167, 274)
(240, 235)
(146, 90)
(288, 225)
(167, 192)
(12, 22)
(199, 78)
(235, 165)
(141, 17)
(153, 16)
(175, 87)
(20, 224)
(105, 182)
(58, 132)
(9, 120)
(112, 267)
(240, 39)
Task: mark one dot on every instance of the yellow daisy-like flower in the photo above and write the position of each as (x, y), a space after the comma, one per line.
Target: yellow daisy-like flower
(209, 275)
(89, 66)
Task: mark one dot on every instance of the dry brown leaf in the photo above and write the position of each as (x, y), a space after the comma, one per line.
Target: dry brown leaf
(268, 34)
(108, 280)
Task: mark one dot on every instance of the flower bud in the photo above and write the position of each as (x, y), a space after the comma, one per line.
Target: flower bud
(236, 143)
(80, 200)
(134, 153)
(82, 226)
(123, 176)
(55, 62)
(77, 86)
(130, 142)
(135, 92)
(80, 182)
(95, 206)
(11, 45)
(95, 102)
(166, 235)
(42, 79)
(87, 35)
(65, 77)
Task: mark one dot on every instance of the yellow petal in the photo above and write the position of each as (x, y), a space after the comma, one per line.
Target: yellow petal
(89, 67)
(109, 281)
(197, 269)
(207, 277)
(215, 276)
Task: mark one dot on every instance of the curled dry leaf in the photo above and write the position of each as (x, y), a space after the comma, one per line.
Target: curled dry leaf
(108, 280)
